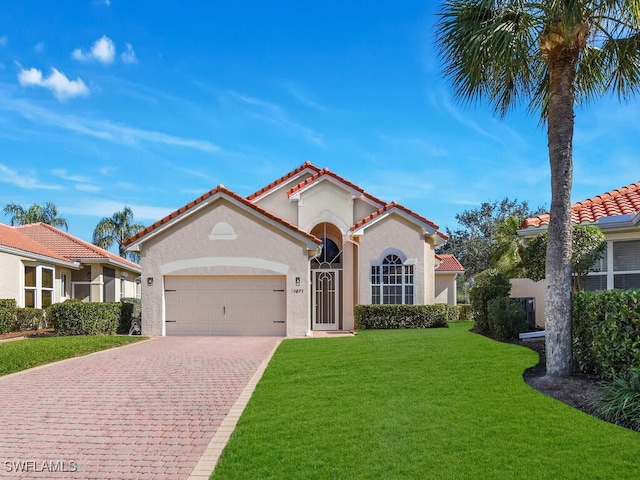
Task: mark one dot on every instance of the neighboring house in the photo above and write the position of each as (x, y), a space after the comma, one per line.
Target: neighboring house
(617, 214)
(292, 258)
(41, 265)
(447, 270)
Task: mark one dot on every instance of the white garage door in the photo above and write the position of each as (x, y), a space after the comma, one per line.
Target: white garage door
(251, 305)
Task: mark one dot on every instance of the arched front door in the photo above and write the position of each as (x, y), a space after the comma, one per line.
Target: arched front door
(326, 274)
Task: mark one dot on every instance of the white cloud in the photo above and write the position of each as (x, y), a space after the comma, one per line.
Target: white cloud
(23, 179)
(103, 50)
(106, 3)
(3, 41)
(129, 56)
(38, 47)
(85, 187)
(105, 208)
(102, 129)
(64, 175)
(57, 82)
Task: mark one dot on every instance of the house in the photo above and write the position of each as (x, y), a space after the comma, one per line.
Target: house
(292, 258)
(41, 265)
(617, 214)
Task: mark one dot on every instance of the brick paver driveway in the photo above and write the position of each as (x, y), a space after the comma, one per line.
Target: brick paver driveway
(146, 410)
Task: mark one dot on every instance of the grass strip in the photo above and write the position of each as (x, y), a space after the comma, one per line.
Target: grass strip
(31, 352)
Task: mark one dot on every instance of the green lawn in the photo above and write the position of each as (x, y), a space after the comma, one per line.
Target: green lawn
(22, 354)
(414, 404)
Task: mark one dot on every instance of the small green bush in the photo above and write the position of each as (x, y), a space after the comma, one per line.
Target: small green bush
(606, 332)
(488, 285)
(401, 316)
(28, 319)
(464, 312)
(131, 308)
(619, 400)
(506, 318)
(7, 314)
(74, 317)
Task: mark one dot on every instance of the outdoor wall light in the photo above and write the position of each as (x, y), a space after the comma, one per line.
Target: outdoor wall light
(297, 281)
(149, 281)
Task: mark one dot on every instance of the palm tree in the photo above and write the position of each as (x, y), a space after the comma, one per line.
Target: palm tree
(552, 54)
(47, 213)
(117, 228)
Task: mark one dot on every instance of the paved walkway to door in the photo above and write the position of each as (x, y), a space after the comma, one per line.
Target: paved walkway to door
(144, 411)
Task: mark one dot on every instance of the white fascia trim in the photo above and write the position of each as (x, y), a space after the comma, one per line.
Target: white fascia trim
(250, 262)
(355, 194)
(110, 262)
(135, 246)
(428, 229)
(278, 187)
(39, 258)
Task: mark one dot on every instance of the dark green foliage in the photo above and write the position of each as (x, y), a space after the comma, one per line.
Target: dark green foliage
(619, 400)
(131, 308)
(74, 317)
(488, 285)
(402, 316)
(7, 314)
(28, 319)
(506, 318)
(587, 247)
(606, 332)
(464, 312)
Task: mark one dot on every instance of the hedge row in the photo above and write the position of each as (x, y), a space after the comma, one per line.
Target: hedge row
(14, 319)
(74, 317)
(130, 308)
(403, 316)
(507, 318)
(606, 332)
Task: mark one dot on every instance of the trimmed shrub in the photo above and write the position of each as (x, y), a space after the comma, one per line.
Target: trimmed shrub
(28, 319)
(506, 318)
(131, 308)
(464, 312)
(619, 400)
(7, 314)
(74, 317)
(606, 332)
(401, 316)
(487, 285)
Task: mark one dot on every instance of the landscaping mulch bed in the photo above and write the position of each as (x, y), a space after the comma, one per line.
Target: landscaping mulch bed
(579, 391)
(43, 332)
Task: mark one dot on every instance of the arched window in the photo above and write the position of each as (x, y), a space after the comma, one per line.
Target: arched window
(392, 282)
(331, 256)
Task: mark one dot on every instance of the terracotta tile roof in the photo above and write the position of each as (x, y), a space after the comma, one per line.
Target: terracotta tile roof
(395, 206)
(226, 191)
(306, 165)
(621, 201)
(13, 238)
(448, 263)
(325, 172)
(69, 246)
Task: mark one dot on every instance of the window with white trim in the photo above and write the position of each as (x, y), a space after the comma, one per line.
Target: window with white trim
(38, 286)
(618, 268)
(392, 282)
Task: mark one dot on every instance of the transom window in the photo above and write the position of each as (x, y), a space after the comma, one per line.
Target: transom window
(392, 282)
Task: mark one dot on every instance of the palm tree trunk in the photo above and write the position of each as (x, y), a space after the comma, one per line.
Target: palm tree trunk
(562, 71)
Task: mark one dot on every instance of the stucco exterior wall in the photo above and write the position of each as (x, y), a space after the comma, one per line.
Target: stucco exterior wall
(325, 202)
(253, 248)
(525, 287)
(10, 277)
(362, 209)
(278, 202)
(445, 290)
(393, 235)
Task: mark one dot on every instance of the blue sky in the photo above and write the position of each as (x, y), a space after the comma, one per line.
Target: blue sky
(107, 103)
